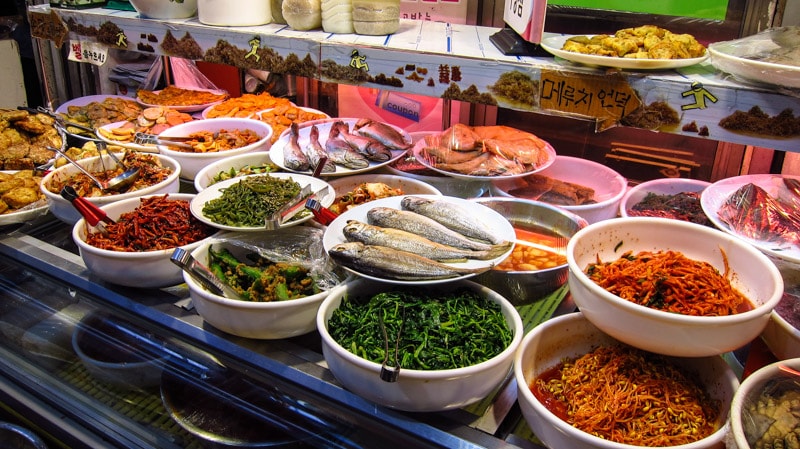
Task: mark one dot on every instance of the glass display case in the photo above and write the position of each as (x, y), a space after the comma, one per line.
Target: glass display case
(90, 364)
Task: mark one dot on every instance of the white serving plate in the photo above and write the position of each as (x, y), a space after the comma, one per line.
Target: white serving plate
(324, 126)
(715, 195)
(187, 108)
(83, 101)
(553, 45)
(215, 191)
(502, 227)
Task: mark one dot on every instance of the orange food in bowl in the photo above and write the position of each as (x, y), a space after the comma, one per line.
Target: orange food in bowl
(534, 251)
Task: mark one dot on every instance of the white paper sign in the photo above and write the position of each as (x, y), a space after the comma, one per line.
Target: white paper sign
(526, 17)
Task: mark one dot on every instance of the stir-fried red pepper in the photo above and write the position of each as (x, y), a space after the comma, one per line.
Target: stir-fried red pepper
(157, 223)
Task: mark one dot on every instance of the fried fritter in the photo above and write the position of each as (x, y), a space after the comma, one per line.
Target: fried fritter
(20, 197)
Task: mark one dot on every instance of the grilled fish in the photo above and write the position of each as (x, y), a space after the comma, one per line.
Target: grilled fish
(340, 152)
(293, 156)
(452, 215)
(381, 132)
(427, 227)
(388, 263)
(315, 152)
(357, 231)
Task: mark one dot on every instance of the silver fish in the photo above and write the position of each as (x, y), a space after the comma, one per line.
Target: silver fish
(427, 227)
(315, 152)
(381, 132)
(357, 231)
(452, 215)
(340, 152)
(388, 263)
(367, 146)
(293, 156)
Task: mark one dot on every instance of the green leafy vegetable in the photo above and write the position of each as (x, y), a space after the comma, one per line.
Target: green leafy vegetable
(250, 201)
(437, 330)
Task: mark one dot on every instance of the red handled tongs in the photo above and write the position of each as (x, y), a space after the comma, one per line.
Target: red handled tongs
(322, 214)
(91, 212)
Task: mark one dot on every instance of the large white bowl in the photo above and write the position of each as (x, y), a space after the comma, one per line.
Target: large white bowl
(261, 320)
(66, 212)
(416, 390)
(750, 389)
(146, 269)
(572, 335)
(409, 186)
(751, 272)
(780, 335)
(205, 177)
(165, 9)
(192, 163)
(661, 186)
(609, 186)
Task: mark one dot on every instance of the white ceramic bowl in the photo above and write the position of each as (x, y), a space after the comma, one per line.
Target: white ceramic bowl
(163, 9)
(662, 186)
(609, 186)
(415, 390)
(751, 272)
(780, 335)
(409, 186)
(192, 163)
(67, 213)
(260, 320)
(146, 269)
(571, 336)
(205, 177)
(750, 389)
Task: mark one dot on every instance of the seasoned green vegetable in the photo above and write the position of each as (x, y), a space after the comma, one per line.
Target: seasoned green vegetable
(250, 201)
(437, 330)
(261, 280)
(246, 170)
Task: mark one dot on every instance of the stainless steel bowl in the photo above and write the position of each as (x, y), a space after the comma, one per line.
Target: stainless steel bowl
(523, 287)
(13, 436)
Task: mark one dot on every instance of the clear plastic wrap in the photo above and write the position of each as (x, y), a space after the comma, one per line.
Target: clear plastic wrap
(297, 245)
(771, 56)
(771, 413)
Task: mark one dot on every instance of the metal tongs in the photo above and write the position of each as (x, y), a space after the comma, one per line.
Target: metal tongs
(202, 274)
(293, 207)
(322, 214)
(59, 119)
(390, 374)
(141, 138)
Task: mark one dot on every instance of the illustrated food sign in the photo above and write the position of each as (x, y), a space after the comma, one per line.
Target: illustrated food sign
(526, 17)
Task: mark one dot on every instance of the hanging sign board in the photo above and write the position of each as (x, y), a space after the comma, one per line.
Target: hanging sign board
(526, 17)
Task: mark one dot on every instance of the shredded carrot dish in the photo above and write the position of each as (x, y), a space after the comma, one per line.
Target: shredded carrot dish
(158, 223)
(670, 281)
(628, 396)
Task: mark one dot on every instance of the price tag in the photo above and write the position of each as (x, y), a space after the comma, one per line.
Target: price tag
(86, 51)
(526, 17)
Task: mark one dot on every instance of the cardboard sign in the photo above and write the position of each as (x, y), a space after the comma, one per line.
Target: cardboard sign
(526, 17)
(607, 98)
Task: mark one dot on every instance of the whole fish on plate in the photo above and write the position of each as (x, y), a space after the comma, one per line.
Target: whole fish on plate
(293, 156)
(357, 231)
(340, 152)
(315, 152)
(388, 263)
(454, 216)
(427, 227)
(367, 146)
(381, 132)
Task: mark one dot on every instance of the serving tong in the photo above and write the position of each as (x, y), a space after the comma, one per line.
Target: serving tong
(293, 207)
(141, 138)
(390, 374)
(202, 274)
(91, 212)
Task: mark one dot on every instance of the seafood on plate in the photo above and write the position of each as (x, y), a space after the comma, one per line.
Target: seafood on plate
(485, 150)
(390, 263)
(752, 212)
(404, 245)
